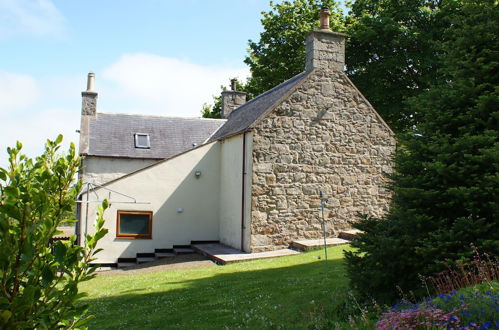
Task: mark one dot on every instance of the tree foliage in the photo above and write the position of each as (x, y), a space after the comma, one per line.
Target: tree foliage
(392, 53)
(39, 278)
(280, 52)
(446, 184)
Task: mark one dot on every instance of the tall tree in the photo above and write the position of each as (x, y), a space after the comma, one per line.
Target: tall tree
(280, 52)
(392, 53)
(446, 184)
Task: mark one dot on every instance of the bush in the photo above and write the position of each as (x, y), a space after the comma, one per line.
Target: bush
(39, 278)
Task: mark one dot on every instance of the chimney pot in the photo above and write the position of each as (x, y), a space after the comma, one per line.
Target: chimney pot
(233, 84)
(90, 82)
(324, 18)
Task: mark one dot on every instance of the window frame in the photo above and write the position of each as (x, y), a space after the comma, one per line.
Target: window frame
(136, 140)
(134, 236)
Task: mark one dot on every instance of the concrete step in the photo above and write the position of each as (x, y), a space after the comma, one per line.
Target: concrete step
(160, 255)
(125, 264)
(141, 260)
(349, 234)
(183, 250)
(313, 244)
(223, 255)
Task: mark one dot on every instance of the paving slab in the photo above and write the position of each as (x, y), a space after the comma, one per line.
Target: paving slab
(312, 244)
(225, 255)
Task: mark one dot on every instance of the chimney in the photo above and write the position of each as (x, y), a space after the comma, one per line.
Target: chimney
(232, 99)
(325, 48)
(89, 97)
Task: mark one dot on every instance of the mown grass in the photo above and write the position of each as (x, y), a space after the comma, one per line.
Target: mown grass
(271, 293)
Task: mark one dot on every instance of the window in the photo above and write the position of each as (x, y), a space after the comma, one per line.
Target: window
(142, 141)
(134, 224)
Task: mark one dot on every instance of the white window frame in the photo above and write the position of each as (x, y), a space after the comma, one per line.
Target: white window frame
(139, 146)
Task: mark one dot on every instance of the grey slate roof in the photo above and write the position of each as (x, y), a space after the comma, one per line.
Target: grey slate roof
(242, 118)
(112, 135)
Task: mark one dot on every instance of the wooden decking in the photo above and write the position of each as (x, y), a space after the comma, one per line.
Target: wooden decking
(225, 255)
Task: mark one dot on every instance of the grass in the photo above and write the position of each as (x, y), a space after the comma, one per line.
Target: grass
(270, 293)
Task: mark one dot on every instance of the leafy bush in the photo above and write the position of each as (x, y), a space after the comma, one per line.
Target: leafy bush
(39, 278)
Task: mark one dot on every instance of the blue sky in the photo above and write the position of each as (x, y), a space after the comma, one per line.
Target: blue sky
(159, 57)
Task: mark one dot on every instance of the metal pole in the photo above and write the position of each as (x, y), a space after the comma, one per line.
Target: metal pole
(86, 216)
(323, 223)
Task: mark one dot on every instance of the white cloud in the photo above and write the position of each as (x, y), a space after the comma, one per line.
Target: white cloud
(27, 117)
(17, 91)
(153, 84)
(34, 130)
(32, 110)
(34, 17)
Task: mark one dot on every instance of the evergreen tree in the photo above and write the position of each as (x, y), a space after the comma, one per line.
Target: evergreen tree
(446, 184)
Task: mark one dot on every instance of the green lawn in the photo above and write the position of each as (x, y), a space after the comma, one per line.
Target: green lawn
(270, 293)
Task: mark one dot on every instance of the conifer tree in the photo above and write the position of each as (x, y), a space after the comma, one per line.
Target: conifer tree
(446, 184)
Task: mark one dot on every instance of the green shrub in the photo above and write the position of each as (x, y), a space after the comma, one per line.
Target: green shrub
(38, 278)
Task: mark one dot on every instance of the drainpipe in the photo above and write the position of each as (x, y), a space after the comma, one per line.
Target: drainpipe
(242, 193)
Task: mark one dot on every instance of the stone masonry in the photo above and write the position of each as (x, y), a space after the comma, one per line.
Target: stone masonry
(324, 137)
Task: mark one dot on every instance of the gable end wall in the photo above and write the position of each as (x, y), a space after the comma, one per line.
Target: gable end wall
(324, 137)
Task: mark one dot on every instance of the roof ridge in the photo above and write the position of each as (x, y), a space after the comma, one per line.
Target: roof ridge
(157, 116)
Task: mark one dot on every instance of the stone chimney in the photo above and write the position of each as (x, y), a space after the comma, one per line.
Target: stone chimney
(325, 48)
(88, 110)
(232, 99)
(89, 97)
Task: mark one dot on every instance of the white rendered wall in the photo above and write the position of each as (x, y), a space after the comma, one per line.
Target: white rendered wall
(101, 170)
(166, 187)
(231, 171)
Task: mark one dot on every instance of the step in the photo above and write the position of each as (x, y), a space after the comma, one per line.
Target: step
(183, 250)
(125, 264)
(313, 244)
(349, 234)
(223, 254)
(141, 260)
(160, 255)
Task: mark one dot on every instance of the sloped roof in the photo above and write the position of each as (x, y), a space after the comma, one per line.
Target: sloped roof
(112, 135)
(242, 118)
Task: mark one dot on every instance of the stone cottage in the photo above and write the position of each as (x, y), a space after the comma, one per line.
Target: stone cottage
(254, 184)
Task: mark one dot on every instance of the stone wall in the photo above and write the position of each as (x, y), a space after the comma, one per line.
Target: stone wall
(324, 137)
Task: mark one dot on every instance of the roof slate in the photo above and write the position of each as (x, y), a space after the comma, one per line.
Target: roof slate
(112, 135)
(242, 118)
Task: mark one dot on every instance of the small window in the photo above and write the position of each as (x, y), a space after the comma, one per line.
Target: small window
(134, 224)
(142, 141)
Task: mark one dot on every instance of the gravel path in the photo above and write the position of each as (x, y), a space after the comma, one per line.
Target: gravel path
(187, 261)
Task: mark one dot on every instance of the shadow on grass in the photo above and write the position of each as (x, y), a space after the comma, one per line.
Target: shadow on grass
(266, 298)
